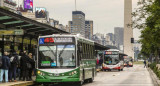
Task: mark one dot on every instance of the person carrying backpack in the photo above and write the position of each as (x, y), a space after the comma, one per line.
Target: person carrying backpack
(4, 67)
(14, 64)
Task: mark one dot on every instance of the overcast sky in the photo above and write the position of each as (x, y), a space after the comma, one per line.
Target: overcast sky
(106, 14)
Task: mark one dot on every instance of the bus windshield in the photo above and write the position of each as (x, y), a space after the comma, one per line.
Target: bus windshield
(111, 59)
(57, 56)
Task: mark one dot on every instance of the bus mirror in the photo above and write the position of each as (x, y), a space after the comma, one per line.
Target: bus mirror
(80, 49)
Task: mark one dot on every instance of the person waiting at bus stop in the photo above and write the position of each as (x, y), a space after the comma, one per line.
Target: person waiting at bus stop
(101, 62)
(13, 67)
(31, 61)
(23, 64)
(5, 66)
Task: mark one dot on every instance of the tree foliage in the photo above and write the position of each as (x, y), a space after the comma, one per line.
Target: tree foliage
(147, 18)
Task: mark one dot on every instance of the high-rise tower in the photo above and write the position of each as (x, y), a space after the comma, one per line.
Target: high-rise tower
(128, 31)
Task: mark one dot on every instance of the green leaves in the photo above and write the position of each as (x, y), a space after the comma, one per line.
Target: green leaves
(147, 18)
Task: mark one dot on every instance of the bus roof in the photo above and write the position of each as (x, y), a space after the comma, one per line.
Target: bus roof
(112, 50)
(78, 36)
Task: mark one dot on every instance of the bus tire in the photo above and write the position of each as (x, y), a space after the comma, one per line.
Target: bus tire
(119, 69)
(122, 69)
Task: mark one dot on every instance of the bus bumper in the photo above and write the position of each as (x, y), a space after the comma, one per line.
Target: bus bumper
(107, 68)
(57, 80)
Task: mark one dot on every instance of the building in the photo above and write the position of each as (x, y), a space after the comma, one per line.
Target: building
(118, 32)
(70, 26)
(88, 29)
(62, 27)
(9, 4)
(112, 39)
(99, 38)
(54, 23)
(128, 31)
(77, 25)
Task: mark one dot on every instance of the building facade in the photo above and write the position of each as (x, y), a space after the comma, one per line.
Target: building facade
(118, 32)
(77, 25)
(54, 23)
(112, 39)
(88, 29)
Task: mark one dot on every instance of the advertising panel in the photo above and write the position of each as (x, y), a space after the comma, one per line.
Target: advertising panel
(28, 4)
(40, 12)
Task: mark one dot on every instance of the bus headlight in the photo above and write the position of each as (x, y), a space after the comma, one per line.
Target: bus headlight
(38, 72)
(72, 73)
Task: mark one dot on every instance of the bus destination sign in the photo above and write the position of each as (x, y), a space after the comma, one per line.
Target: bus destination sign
(110, 52)
(56, 40)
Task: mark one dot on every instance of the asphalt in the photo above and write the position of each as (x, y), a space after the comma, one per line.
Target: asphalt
(132, 76)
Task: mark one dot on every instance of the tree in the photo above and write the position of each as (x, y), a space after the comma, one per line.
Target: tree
(147, 18)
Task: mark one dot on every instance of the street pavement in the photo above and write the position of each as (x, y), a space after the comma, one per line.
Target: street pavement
(131, 76)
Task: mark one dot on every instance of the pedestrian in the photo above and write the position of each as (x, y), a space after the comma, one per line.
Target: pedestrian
(101, 62)
(144, 63)
(23, 63)
(13, 68)
(19, 65)
(30, 70)
(97, 63)
(5, 67)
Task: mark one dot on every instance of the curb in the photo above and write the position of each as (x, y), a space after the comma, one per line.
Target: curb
(155, 79)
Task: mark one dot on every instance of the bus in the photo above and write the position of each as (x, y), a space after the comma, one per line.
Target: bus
(65, 58)
(128, 61)
(113, 60)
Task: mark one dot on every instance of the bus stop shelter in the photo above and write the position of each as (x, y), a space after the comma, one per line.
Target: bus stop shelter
(13, 25)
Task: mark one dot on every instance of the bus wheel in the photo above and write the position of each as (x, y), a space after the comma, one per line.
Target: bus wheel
(121, 69)
(80, 83)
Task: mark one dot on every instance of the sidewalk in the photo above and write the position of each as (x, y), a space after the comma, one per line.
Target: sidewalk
(19, 83)
(155, 79)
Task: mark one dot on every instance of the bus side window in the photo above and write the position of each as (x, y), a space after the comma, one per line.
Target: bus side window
(79, 54)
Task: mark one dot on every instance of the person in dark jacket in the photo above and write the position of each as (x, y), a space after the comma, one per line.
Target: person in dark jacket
(23, 64)
(30, 70)
(101, 61)
(5, 67)
(145, 63)
(19, 66)
(13, 68)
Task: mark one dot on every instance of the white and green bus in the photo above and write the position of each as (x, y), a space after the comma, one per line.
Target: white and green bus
(65, 58)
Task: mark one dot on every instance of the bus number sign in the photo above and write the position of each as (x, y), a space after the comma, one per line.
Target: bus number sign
(49, 40)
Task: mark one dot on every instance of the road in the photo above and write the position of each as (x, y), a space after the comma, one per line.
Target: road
(132, 76)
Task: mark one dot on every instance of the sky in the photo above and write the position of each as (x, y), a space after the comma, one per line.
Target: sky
(106, 14)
